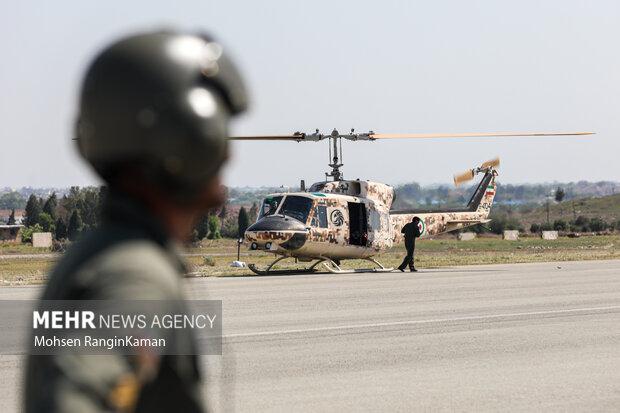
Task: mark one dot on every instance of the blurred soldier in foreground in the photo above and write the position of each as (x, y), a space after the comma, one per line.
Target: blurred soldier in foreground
(153, 123)
(411, 231)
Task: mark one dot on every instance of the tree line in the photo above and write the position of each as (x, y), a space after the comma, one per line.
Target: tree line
(410, 195)
(64, 217)
(216, 224)
(500, 223)
(68, 216)
(79, 210)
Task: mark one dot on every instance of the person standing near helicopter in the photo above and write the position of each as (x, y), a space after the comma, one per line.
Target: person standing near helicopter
(411, 231)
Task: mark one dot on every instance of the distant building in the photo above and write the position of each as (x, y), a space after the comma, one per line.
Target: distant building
(5, 213)
(10, 233)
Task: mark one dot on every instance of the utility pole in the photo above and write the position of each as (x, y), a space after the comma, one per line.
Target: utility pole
(547, 210)
(574, 211)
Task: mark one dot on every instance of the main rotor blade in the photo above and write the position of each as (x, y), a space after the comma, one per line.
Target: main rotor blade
(298, 138)
(470, 135)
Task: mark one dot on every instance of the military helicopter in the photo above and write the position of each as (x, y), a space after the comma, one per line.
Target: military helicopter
(338, 219)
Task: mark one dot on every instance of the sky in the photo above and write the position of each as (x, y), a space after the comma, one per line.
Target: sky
(389, 66)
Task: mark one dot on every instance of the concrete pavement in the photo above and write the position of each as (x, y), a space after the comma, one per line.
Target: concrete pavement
(542, 336)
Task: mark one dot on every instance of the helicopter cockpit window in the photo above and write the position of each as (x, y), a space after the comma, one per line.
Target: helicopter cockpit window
(320, 217)
(297, 207)
(270, 206)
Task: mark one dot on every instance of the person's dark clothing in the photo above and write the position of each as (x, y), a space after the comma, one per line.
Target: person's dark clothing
(411, 231)
(129, 257)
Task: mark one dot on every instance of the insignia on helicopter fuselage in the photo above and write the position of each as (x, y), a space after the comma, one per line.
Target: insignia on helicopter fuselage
(421, 227)
(336, 217)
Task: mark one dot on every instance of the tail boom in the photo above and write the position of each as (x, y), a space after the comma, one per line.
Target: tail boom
(437, 222)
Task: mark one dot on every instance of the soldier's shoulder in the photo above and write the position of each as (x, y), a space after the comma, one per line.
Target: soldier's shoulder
(107, 267)
(136, 256)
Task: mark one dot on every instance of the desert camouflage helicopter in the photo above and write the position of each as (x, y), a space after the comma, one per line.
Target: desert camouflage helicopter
(352, 219)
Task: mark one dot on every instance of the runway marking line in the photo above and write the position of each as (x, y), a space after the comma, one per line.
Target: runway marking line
(429, 321)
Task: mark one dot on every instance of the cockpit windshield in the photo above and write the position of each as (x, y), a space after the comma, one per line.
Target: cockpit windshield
(297, 207)
(270, 206)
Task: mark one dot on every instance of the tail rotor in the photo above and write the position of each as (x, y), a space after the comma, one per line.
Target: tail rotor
(469, 174)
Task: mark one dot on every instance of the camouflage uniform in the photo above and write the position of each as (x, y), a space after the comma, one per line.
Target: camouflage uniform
(153, 123)
(129, 257)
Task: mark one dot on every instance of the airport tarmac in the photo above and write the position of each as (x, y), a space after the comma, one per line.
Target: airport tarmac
(543, 336)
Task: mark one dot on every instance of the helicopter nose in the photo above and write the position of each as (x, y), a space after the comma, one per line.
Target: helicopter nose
(277, 231)
(277, 223)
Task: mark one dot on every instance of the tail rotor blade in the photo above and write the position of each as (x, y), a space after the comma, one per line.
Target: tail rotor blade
(492, 163)
(463, 177)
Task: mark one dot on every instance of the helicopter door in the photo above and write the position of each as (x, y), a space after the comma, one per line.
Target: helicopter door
(358, 224)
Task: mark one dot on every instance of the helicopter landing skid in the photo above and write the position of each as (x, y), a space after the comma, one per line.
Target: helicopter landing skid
(332, 267)
(269, 271)
(329, 264)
